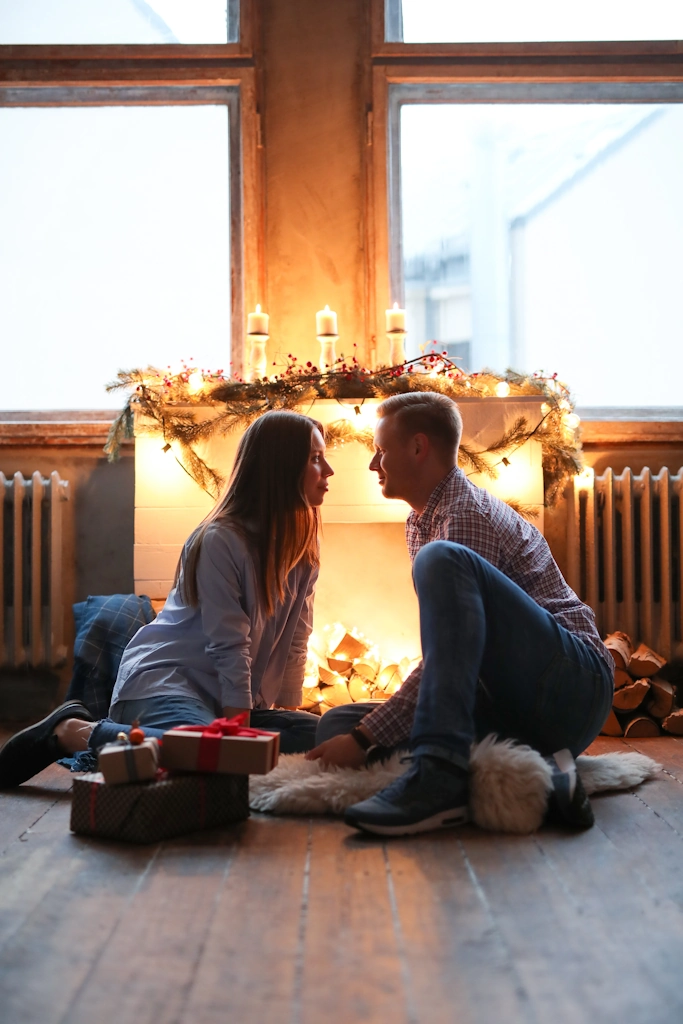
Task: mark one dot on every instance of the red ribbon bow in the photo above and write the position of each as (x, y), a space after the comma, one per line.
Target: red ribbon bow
(212, 734)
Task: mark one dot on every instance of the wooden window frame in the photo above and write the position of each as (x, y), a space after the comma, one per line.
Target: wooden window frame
(139, 75)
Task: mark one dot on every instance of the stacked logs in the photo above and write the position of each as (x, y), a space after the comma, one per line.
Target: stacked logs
(644, 703)
(343, 666)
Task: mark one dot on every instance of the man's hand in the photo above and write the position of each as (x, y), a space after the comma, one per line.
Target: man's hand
(340, 750)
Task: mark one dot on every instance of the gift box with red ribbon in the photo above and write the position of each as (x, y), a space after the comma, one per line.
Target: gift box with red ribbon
(226, 745)
(147, 812)
(128, 762)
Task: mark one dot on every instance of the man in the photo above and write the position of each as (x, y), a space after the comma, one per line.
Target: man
(507, 646)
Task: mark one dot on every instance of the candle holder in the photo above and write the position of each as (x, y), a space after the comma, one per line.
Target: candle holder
(397, 352)
(328, 354)
(257, 356)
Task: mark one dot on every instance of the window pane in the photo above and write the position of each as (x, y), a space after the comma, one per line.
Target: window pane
(115, 248)
(500, 21)
(547, 237)
(64, 22)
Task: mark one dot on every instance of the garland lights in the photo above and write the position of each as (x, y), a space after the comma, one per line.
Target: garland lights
(166, 400)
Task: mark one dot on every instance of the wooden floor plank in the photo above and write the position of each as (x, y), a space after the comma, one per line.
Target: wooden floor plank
(539, 925)
(353, 967)
(166, 923)
(459, 965)
(60, 899)
(647, 845)
(634, 940)
(249, 965)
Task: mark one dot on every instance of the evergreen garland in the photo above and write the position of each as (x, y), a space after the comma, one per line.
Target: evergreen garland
(167, 401)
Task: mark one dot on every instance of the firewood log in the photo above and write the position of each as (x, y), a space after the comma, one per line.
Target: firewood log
(367, 669)
(389, 679)
(342, 667)
(611, 726)
(645, 662)
(337, 694)
(349, 648)
(327, 676)
(673, 723)
(632, 696)
(620, 647)
(660, 702)
(359, 688)
(621, 678)
(640, 727)
(311, 697)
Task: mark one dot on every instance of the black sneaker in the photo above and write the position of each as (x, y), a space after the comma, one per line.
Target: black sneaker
(32, 749)
(568, 803)
(432, 794)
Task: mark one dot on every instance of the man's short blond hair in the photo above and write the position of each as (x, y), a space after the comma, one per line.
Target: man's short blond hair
(426, 412)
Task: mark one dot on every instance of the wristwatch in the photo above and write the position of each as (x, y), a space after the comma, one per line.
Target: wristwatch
(363, 741)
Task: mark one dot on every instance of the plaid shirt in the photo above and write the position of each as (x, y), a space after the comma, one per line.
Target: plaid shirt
(458, 511)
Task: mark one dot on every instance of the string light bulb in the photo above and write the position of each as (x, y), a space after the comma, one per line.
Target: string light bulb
(502, 389)
(195, 382)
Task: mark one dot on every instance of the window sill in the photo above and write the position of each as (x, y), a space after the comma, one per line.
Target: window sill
(56, 429)
(617, 426)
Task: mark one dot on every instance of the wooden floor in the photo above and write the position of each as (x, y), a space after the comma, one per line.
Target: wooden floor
(302, 922)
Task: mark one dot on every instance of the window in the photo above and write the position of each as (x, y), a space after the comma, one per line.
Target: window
(529, 21)
(116, 226)
(78, 22)
(545, 236)
(533, 202)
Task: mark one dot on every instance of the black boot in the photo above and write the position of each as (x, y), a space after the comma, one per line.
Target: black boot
(32, 749)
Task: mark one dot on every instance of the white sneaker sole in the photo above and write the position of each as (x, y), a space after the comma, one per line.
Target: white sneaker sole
(444, 819)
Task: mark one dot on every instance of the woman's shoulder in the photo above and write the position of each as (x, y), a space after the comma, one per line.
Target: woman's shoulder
(224, 538)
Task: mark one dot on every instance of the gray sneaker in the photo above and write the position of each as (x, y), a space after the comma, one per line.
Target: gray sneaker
(432, 794)
(568, 803)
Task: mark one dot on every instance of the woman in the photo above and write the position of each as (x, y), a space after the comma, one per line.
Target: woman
(232, 636)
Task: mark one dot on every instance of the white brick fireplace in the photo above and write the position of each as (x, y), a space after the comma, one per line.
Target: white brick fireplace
(365, 571)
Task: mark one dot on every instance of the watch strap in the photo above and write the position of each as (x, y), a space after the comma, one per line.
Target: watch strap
(363, 741)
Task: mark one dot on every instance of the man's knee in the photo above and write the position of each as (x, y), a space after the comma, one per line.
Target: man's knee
(439, 556)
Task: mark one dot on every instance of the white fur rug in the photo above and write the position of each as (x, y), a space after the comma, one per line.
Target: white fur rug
(509, 790)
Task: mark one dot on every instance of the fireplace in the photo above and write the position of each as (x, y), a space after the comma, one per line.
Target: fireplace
(365, 580)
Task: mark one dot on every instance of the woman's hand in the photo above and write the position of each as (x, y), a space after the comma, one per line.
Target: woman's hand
(342, 751)
(229, 712)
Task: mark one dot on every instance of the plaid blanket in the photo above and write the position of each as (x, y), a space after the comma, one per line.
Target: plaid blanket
(104, 628)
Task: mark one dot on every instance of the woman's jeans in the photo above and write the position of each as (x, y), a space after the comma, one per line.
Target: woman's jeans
(493, 661)
(157, 714)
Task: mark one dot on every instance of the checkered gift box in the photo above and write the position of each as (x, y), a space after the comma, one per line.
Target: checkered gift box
(147, 812)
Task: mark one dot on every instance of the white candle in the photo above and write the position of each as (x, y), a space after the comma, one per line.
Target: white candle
(396, 319)
(326, 321)
(257, 323)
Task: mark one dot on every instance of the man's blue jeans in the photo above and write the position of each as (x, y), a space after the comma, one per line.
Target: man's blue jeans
(494, 661)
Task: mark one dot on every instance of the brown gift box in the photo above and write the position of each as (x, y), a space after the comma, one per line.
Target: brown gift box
(243, 755)
(146, 812)
(128, 762)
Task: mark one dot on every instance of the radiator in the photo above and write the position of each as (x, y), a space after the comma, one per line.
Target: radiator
(624, 553)
(31, 585)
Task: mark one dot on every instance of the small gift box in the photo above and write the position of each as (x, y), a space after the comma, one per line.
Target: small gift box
(226, 745)
(147, 812)
(128, 762)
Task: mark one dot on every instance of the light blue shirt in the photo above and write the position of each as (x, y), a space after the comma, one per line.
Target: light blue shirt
(226, 651)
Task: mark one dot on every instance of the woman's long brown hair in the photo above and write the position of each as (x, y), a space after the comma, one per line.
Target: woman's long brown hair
(265, 502)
